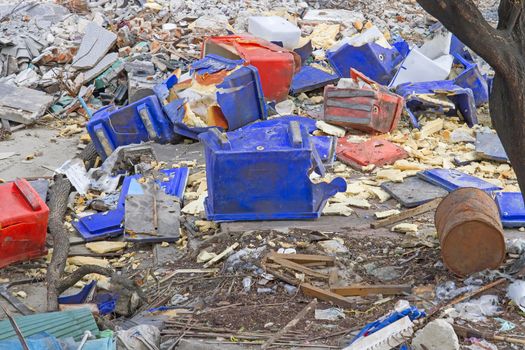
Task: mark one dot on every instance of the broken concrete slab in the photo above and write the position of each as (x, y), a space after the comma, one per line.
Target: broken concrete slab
(21, 104)
(98, 69)
(413, 191)
(95, 44)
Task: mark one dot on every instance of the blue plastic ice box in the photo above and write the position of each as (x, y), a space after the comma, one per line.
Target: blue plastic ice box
(511, 209)
(263, 174)
(141, 121)
(451, 180)
(373, 60)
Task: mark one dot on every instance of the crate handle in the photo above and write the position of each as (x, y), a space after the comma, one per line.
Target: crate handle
(27, 191)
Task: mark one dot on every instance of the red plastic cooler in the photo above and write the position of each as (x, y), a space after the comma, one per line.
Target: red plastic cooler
(23, 223)
(275, 64)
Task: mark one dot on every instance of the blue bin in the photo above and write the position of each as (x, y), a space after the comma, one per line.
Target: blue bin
(373, 60)
(144, 120)
(239, 96)
(263, 174)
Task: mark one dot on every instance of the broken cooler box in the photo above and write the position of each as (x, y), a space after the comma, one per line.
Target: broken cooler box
(368, 52)
(23, 223)
(263, 174)
(371, 109)
(141, 121)
(275, 64)
(222, 93)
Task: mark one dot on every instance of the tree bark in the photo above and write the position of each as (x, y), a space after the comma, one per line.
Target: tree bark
(504, 49)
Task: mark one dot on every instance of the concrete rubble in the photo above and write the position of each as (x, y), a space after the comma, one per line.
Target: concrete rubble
(153, 196)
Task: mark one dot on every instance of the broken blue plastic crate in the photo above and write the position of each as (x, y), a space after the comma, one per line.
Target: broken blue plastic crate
(109, 224)
(80, 297)
(141, 121)
(471, 78)
(324, 145)
(462, 98)
(451, 180)
(373, 60)
(311, 78)
(239, 96)
(511, 209)
(263, 174)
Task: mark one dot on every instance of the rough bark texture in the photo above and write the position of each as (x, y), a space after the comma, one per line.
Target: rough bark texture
(504, 49)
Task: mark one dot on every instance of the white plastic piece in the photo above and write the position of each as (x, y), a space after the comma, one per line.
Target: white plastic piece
(275, 28)
(438, 46)
(419, 68)
(516, 292)
(386, 338)
(333, 16)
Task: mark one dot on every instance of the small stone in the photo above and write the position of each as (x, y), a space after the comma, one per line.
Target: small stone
(333, 246)
(437, 335)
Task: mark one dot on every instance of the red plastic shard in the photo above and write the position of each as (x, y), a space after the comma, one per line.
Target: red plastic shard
(375, 151)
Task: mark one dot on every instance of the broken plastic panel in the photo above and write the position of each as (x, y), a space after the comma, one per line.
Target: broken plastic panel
(488, 146)
(511, 208)
(23, 223)
(311, 78)
(263, 174)
(109, 224)
(451, 180)
(375, 59)
(371, 109)
(141, 121)
(413, 191)
(324, 145)
(471, 78)
(276, 65)
(275, 28)
(223, 93)
(377, 152)
(442, 97)
(80, 297)
(417, 67)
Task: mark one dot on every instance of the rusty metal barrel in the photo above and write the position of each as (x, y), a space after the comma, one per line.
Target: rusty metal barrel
(470, 231)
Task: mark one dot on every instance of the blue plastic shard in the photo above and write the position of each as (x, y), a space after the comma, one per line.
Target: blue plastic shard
(488, 146)
(135, 187)
(212, 64)
(373, 60)
(80, 297)
(416, 102)
(144, 120)
(325, 145)
(457, 48)
(103, 225)
(262, 173)
(471, 78)
(176, 184)
(401, 46)
(39, 341)
(451, 180)
(311, 78)
(511, 209)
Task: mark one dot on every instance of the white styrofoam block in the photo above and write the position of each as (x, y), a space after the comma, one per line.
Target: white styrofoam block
(371, 35)
(418, 68)
(275, 28)
(438, 46)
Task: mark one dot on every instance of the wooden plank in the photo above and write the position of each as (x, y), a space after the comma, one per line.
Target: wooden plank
(325, 295)
(305, 258)
(300, 268)
(433, 204)
(363, 290)
(222, 255)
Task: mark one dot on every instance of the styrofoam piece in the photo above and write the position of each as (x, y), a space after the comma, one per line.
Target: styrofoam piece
(333, 16)
(386, 338)
(419, 68)
(371, 35)
(275, 28)
(438, 46)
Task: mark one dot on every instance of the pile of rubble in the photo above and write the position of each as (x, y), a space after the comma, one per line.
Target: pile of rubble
(238, 177)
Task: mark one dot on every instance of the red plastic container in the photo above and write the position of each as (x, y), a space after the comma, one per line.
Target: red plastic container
(275, 64)
(377, 152)
(373, 110)
(23, 223)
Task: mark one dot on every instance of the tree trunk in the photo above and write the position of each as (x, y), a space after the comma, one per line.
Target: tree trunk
(504, 49)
